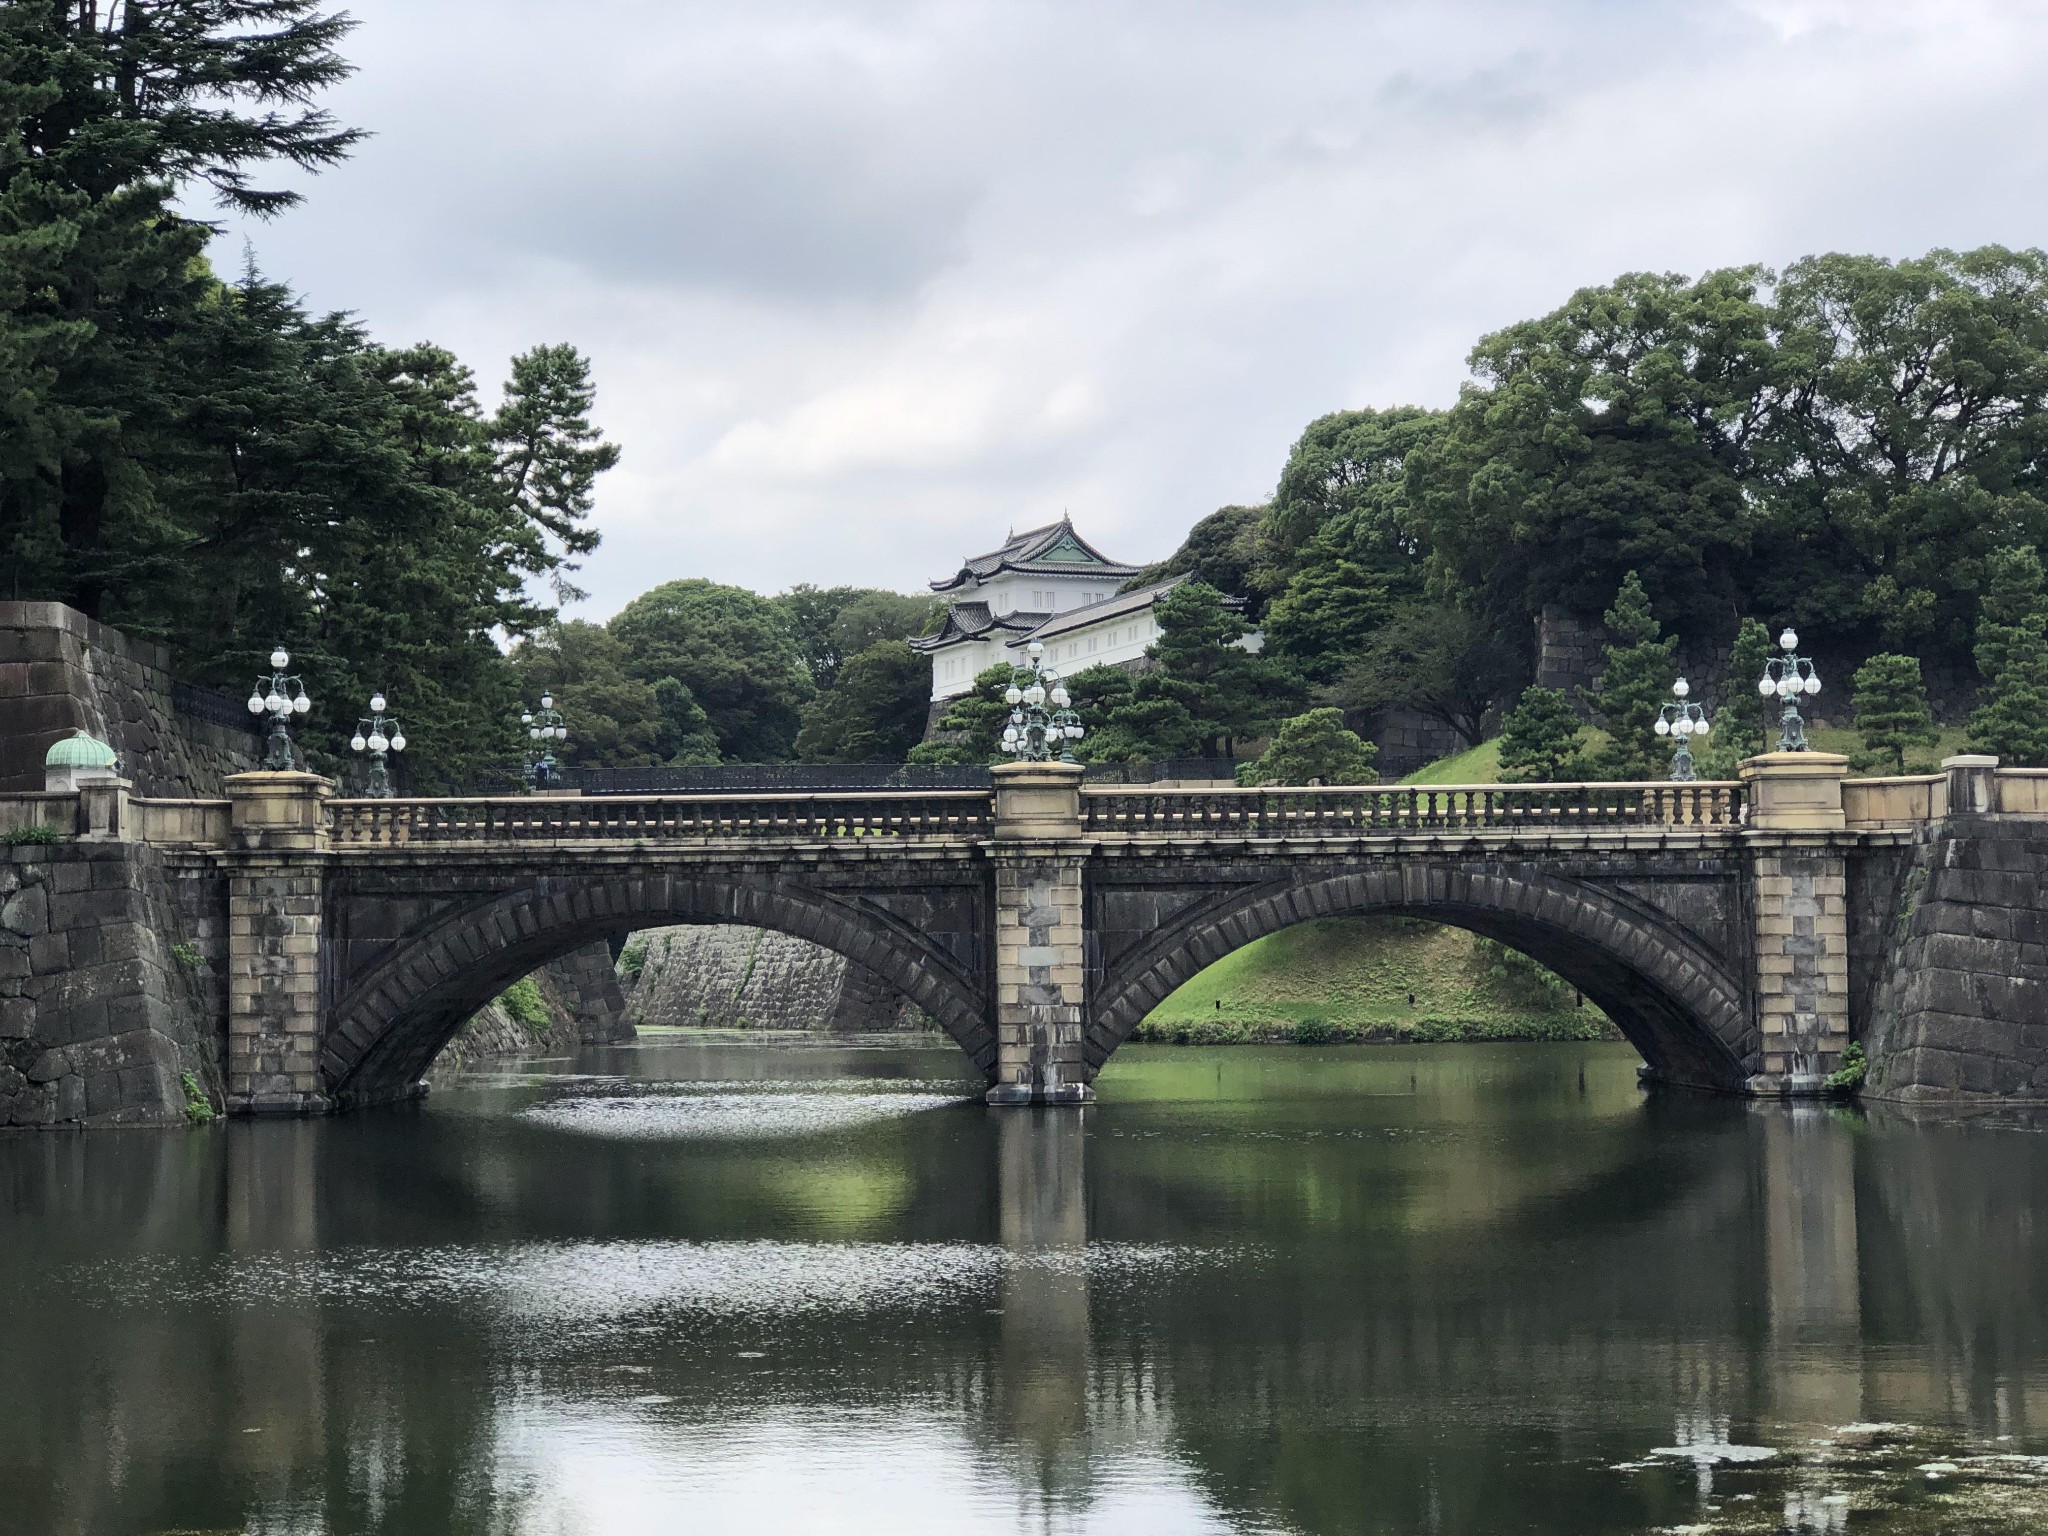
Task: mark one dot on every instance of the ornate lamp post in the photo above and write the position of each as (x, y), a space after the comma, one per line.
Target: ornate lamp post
(543, 728)
(281, 697)
(1037, 733)
(1682, 721)
(378, 734)
(1788, 676)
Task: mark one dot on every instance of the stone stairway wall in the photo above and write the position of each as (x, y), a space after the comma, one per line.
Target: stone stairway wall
(733, 977)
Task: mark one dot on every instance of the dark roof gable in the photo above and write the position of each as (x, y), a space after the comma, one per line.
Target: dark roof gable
(1054, 550)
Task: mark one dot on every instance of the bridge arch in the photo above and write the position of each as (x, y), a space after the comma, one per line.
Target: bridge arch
(1668, 992)
(388, 1023)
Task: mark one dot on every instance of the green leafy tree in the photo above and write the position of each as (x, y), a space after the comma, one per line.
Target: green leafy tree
(1902, 445)
(1635, 685)
(1539, 739)
(684, 733)
(1891, 711)
(107, 114)
(875, 710)
(1220, 550)
(829, 624)
(1611, 435)
(549, 455)
(1313, 748)
(1344, 495)
(2011, 718)
(612, 717)
(1327, 616)
(1440, 660)
(971, 730)
(731, 650)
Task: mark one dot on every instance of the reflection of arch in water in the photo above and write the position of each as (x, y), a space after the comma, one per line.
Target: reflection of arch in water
(389, 1023)
(1667, 991)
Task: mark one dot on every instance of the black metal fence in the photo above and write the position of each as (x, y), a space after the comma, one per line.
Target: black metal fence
(768, 778)
(214, 707)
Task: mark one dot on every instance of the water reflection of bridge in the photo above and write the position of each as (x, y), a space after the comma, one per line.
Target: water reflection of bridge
(1711, 1265)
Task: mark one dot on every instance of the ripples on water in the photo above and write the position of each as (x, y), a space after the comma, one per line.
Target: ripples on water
(739, 1288)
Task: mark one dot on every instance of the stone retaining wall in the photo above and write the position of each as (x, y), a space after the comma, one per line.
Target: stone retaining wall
(109, 993)
(1960, 1011)
(61, 672)
(727, 976)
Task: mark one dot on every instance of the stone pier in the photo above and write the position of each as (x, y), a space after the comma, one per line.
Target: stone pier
(1040, 947)
(278, 832)
(1799, 894)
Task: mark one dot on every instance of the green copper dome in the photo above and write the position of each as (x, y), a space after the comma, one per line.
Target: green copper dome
(79, 750)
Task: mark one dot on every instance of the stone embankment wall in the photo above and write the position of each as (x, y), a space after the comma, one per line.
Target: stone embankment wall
(1959, 1006)
(732, 977)
(110, 959)
(61, 672)
(585, 1006)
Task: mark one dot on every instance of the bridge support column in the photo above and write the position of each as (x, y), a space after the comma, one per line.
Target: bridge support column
(277, 846)
(1039, 954)
(1799, 905)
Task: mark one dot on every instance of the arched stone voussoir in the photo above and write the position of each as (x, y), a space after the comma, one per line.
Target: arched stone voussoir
(1678, 1002)
(388, 1023)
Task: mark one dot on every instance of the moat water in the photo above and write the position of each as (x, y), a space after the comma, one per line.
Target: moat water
(729, 1287)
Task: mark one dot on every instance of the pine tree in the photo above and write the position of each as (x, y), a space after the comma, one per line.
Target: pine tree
(1539, 739)
(1890, 705)
(1634, 687)
(1747, 722)
(1314, 748)
(2012, 657)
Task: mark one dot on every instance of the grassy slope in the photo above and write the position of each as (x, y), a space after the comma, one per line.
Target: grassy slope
(1481, 764)
(1349, 978)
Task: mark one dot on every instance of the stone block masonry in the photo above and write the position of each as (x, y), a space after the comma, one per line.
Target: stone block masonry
(108, 954)
(60, 672)
(1959, 1010)
(1801, 914)
(1040, 959)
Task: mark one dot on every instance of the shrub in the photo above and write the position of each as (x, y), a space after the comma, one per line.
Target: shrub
(1848, 1077)
(523, 1003)
(198, 1107)
(37, 836)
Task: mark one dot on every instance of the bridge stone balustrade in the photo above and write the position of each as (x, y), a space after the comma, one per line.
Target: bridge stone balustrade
(1740, 934)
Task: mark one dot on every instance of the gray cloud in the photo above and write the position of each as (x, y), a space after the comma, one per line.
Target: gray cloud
(866, 284)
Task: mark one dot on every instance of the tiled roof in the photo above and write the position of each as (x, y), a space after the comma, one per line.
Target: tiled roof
(971, 621)
(1028, 552)
(1091, 614)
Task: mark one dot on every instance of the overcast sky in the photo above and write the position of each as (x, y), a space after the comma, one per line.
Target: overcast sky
(867, 283)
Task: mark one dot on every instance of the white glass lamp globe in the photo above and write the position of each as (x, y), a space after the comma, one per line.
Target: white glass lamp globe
(376, 703)
(526, 719)
(1037, 648)
(398, 741)
(561, 733)
(1075, 732)
(255, 703)
(547, 701)
(356, 743)
(377, 741)
(1061, 697)
(1683, 728)
(1663, 727)
(1013, 695)
(1766, 687)
(302, 703)
(1788, 641)
(1681, 687)
(533, 733)
(1813, 684)
(279, 659)
(1034, 695)
(1699, 727)
(275, 702)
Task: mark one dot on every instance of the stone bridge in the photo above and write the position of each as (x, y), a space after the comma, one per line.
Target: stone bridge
(1739, 933)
